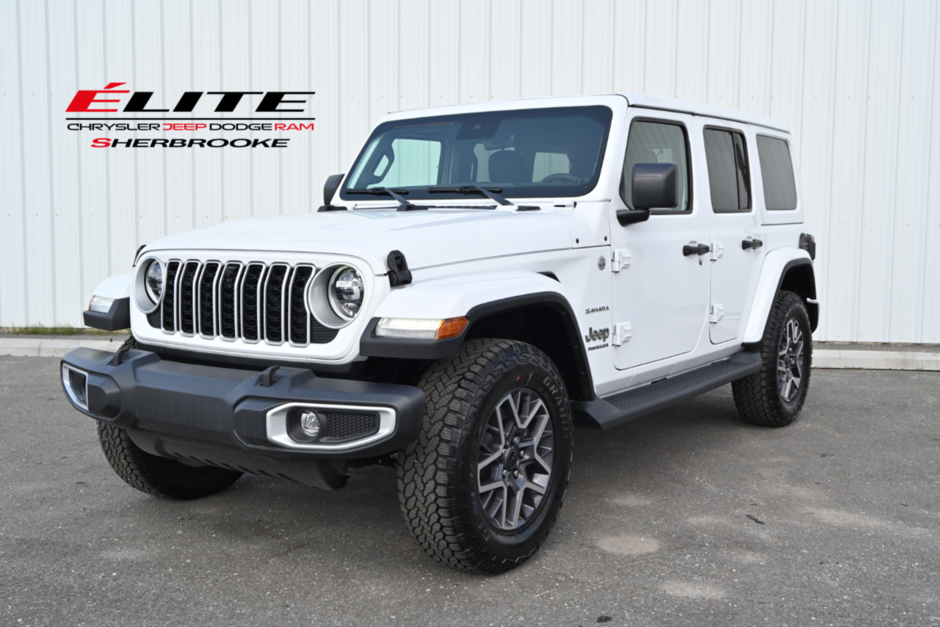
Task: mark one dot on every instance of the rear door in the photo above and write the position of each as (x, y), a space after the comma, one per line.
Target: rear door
(733, 226)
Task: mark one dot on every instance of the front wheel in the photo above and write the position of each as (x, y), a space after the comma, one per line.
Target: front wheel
(482, 486)
(774, 396)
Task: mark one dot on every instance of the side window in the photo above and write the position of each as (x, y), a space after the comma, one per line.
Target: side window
(414, 162)
(776, 172)
(656, 142)
(728, 175)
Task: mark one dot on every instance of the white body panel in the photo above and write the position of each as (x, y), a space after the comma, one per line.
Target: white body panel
(117, 286)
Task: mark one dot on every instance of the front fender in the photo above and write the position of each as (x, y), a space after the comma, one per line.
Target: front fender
(117, 287)
(473, 296)
(775, 267)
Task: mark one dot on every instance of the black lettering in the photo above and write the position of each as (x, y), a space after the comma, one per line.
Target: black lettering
(280, 143)
(187, 102)
(118, 142)
(159, 142)
(197, 142)
(230, 99)
(272, 99)
(138, 103)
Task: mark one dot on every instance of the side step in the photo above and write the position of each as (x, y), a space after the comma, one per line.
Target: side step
(613, 411)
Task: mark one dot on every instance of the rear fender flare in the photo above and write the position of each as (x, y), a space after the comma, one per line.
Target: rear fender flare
(774, 270)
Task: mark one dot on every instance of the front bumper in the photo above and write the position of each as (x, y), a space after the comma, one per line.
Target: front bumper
(235, 418)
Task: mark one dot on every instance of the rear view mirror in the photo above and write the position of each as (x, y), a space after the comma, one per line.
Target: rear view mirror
(329, 188)
(654, 186)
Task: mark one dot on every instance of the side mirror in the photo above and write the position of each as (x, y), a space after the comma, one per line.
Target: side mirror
(329, 190)
(654, 186)
(330, 187)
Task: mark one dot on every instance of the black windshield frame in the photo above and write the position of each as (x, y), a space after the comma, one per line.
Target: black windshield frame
(582, 132)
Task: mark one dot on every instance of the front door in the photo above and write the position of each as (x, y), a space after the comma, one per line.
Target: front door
(662, 294)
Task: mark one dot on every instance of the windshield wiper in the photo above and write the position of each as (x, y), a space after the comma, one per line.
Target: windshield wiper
(397, 195)
(493, 193)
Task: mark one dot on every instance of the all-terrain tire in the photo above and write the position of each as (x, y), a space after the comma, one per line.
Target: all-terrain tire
(439, 477)
(759, 397)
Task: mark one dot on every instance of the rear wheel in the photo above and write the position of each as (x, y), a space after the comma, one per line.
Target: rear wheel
(159, 476)
(774, 396)
(482, 486)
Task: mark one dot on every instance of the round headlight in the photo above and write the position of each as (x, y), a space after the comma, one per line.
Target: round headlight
(153, 281)
(345, 292)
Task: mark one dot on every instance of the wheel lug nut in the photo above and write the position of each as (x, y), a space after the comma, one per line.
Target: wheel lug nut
(505, 472)
(515, 441)
(515, 473)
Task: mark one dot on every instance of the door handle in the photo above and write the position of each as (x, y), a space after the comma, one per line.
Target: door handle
(695, 249)
(751, 243)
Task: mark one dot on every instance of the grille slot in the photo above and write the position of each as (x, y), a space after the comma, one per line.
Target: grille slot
(228, 301)
(251, 302)
(206, 296)
(297, 315)
(168, 307)
(274, 293)
(186, 295)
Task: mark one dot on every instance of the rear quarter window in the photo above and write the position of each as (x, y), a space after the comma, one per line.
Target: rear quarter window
(776, 171)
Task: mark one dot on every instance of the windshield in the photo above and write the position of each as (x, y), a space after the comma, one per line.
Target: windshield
(527, 153)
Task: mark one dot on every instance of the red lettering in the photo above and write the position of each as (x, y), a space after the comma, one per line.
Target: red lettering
(183, 127)
(101, 142)
(84, 98)
(293, 127)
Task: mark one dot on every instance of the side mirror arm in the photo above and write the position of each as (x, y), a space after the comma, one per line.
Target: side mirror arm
(329, 190)
(632, 216)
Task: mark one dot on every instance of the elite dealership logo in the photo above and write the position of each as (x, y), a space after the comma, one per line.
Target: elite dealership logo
(226, 105)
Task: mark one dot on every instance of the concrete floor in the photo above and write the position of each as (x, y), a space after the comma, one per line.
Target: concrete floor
(685, 517)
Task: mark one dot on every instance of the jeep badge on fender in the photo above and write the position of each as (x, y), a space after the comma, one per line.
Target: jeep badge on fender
(445, 312)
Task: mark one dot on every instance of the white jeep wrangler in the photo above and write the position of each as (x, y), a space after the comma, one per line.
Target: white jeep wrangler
(485, 278)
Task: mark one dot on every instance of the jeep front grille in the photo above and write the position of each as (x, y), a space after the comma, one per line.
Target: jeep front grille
(249, 302)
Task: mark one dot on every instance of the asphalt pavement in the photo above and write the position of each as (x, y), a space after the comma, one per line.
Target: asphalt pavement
(685, 517)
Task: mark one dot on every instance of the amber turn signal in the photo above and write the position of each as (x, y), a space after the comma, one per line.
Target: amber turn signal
(452, 327)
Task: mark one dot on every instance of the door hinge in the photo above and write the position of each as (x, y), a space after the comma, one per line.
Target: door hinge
(718, 251)
(716, 313)
(620, 260)
(622, 333)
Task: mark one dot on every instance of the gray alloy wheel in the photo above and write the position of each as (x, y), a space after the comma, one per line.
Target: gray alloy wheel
(515, 459)
(790, 360)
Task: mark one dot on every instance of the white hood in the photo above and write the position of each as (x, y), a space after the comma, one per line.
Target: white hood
(426, 237)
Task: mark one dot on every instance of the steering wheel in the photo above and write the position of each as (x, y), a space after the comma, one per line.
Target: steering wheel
(561, 177)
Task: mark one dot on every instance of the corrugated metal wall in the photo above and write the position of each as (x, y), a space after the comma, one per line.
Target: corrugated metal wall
(856, 81)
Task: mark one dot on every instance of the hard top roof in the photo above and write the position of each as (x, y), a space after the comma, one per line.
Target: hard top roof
(634, 100)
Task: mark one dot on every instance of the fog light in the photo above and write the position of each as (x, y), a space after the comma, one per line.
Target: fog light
(310, 423)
